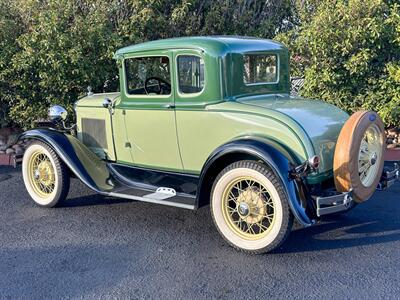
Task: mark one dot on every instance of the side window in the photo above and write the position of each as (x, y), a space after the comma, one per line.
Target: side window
(190, 74)
(260, 68)
(148, 75)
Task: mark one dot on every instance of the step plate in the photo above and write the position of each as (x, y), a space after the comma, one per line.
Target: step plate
(162, 193)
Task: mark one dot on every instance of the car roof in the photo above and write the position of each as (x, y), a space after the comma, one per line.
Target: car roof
(219, 45)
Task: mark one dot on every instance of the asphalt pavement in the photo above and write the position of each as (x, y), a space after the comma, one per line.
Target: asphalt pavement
(99, 247)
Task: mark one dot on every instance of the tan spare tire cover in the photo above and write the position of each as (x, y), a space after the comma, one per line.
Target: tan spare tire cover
(363, 129)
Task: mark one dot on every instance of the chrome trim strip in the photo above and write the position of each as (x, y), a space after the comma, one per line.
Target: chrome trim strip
(142, 199)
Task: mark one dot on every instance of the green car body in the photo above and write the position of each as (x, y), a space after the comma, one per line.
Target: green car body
(210, 120)
(179, 132)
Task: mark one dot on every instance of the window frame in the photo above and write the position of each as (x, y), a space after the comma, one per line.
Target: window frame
(277, 60)
(189, 95)
(147, 96)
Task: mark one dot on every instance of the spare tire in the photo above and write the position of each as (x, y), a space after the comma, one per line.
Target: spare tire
(359, 155)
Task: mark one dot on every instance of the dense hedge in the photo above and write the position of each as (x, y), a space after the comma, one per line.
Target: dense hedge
(51, 50)
(349, 53)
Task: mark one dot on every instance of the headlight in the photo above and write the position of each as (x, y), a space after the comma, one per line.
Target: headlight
(57, 113)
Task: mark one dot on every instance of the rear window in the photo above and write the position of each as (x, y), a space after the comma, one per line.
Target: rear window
(190, 74)
(260, 68)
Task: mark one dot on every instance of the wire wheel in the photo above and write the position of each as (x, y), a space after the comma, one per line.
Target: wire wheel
(248, 208)
(41, 174)
(370, 153)
(46, 177)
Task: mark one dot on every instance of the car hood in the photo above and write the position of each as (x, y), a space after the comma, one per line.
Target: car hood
(95, 100)
(321, 121)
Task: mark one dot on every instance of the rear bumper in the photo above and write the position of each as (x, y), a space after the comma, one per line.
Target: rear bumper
(335, 202)
(389, 177)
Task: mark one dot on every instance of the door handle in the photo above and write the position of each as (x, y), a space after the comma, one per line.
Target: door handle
(170, 106)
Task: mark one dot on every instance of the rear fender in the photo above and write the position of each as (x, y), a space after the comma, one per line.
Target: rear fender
(267, 151)
(86, 166)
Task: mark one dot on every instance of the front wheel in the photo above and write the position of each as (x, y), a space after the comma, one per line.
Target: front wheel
(46, 177)
(250, 208)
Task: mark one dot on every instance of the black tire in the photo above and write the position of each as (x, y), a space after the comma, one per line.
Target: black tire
(55, 188)
(264, 178)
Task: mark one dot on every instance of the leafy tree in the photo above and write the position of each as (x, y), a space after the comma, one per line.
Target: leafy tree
(349, 52)
(11, 27)
(53, 49)
(155, 19)
(68, 46)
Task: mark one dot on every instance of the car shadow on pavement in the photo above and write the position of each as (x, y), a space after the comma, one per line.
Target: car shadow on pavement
(92, 200)
(373, 222)
(360, 227)
(343, 232)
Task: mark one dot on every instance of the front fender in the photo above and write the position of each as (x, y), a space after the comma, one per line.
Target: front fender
(266, 151)
(90, 169)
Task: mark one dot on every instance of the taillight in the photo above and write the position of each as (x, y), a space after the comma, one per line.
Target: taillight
(314, 161)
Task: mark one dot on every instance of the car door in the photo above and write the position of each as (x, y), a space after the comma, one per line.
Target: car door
(148, 112)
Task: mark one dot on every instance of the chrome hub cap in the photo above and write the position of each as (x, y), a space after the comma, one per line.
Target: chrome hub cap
(373, 159)
(36, 174)
(243, 209)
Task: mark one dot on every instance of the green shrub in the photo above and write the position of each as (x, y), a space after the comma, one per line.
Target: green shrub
(349, 53)
(68, 45)
(54, 49)
(11, 27)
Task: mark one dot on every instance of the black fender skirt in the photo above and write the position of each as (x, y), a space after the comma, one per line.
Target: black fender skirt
(272, 154)
(116, 180)
(89, 168)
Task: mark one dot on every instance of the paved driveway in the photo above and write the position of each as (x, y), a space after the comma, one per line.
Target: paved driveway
(95, 247)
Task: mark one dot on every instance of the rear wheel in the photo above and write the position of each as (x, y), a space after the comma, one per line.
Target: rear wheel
(46, 177)
(249, 207)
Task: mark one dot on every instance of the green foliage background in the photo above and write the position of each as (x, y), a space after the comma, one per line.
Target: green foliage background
(349, 53)
(51, 50)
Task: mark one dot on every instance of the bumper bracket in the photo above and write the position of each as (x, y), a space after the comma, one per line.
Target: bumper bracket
(333, 203)
(389, 177)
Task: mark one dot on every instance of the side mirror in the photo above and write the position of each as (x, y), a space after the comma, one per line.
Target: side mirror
(57, 113)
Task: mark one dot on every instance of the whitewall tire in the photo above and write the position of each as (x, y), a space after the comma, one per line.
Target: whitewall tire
(250, 208)
(45, 176)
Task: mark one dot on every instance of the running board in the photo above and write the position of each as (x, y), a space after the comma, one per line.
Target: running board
(153, 186)
(159, 197)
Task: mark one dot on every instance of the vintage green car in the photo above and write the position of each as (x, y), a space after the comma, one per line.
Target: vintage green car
(210, 120)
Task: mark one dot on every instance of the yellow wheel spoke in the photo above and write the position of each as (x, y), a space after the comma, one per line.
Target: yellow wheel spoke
(252, 213)
(231, 210)
(42, 174)
(251, 230)
(262, 226)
